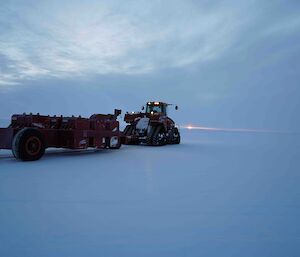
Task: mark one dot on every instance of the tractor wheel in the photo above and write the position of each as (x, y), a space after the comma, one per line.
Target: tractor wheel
(149, 140)
(175, 136)
(28, 145)
(159, 137)
(128, 130)
(150, 136)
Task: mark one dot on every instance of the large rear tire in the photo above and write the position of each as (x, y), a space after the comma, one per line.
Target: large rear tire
(28, 145)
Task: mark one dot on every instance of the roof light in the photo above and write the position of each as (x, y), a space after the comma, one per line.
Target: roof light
(156, 103)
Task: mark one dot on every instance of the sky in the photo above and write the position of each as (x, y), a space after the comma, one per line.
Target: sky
(225, 63)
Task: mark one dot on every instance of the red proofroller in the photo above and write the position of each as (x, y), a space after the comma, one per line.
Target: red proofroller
(29, 135)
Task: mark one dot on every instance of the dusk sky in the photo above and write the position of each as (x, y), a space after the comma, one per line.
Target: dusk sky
(230, 188)
(225, 63)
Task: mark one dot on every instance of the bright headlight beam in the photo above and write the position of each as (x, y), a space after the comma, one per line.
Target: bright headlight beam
(213, 129)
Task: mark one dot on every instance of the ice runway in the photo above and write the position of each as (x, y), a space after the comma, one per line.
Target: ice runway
(216, 194)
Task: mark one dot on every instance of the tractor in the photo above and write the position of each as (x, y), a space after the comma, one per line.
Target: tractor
(151, 127)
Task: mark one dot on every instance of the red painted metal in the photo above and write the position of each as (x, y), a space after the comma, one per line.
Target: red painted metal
(6, 137)
(156, 118)
(98, 131)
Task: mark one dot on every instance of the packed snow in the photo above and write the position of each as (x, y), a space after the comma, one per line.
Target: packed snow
(216, 194)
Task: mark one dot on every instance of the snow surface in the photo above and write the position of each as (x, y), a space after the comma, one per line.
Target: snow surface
(216, 194)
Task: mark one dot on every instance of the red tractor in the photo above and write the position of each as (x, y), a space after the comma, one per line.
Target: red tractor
(152, 127)
(29, 135)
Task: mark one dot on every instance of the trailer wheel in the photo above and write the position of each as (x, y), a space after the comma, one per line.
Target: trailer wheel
(28, 145)
(159, 137)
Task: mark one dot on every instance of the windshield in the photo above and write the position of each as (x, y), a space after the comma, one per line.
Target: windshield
(155, 108)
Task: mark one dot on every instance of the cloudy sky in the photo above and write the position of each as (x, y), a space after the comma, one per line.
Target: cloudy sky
(226, 63)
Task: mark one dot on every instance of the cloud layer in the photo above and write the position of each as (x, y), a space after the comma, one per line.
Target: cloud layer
(54, 39)
(61, 39)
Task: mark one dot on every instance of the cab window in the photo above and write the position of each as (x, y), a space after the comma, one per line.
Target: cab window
(155, 108)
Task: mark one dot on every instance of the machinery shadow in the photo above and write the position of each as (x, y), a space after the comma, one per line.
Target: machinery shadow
(50, 153)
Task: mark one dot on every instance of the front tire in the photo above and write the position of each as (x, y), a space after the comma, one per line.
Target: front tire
(28, 145)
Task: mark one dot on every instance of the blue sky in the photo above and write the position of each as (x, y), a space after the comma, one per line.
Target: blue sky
(226, 63)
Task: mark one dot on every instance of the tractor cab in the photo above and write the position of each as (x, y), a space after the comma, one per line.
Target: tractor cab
(156, 107)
